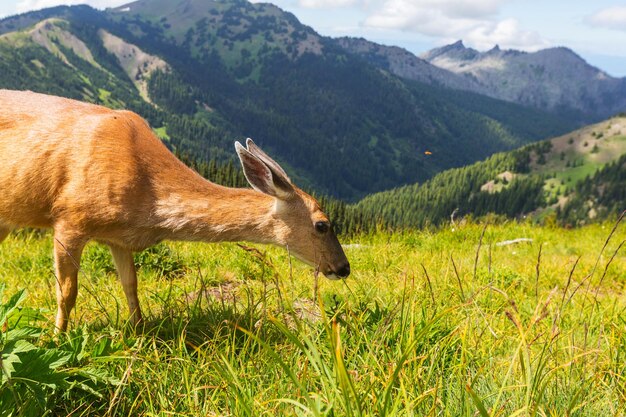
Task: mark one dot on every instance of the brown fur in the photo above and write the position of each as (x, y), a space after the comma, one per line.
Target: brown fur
(92, 173)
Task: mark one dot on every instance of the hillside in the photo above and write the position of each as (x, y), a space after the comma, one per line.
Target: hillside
(577, 177)
(556, 80)
(205, 73)
(601, 196)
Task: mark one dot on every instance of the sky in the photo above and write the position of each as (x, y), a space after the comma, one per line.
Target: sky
(596, 30)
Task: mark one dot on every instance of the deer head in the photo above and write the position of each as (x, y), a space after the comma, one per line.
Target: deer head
(300, 224)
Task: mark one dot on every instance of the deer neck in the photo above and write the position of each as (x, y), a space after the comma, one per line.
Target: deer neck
(213, 213)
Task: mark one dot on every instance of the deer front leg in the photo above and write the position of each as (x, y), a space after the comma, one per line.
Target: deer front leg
(125, 265)
(3, 233)
(67, 252)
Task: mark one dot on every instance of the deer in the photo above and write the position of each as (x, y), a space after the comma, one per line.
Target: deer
(91, 173)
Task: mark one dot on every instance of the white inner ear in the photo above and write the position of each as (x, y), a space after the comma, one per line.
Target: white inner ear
(259, 153)
(259, 174)
(281, 194)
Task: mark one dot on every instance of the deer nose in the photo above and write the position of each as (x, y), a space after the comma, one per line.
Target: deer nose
(344, 270)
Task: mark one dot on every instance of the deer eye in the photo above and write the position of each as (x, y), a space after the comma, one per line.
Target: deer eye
(322, 227)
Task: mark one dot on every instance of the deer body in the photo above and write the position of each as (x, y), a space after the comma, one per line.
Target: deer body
(92, 173)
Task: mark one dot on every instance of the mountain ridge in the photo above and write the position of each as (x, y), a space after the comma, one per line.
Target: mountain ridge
(553, 79)
(403, 63)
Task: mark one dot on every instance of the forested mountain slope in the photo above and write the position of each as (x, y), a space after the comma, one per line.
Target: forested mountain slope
(577, 177)
(601, 196)
(206, 73)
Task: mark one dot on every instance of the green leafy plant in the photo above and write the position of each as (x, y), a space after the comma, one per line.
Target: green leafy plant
(158, 259)
(34, 376)
(161, 260)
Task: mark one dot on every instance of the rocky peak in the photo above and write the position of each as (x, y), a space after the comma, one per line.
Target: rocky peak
(455, 50)
(551, 79)
(494, 51)
(405, 64)
(442, 50)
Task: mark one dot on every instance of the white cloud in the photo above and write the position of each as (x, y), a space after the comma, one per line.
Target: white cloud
(462, 8)
(506, 33)
(421, 9)
(321, 4)
(411, 16)
(471, 20)
(609, 18)
(27, 5)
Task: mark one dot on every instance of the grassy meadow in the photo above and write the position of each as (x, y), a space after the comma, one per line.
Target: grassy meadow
(430, 323)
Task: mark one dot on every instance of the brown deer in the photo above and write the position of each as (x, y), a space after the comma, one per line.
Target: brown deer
(92, 173)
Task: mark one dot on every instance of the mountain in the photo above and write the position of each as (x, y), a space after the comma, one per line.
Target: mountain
(205, 73)
(575, 177)
(403, 63)
(555, 80)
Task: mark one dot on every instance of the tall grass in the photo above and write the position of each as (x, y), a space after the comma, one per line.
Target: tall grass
(444, 323)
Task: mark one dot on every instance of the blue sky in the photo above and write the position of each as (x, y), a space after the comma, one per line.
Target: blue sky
(594, 29)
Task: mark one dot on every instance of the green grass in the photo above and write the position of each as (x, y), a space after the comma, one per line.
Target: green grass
(570, 177)
(442, 323)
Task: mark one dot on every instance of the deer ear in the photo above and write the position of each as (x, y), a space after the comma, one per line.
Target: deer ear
(261, 177)
(273, 165)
